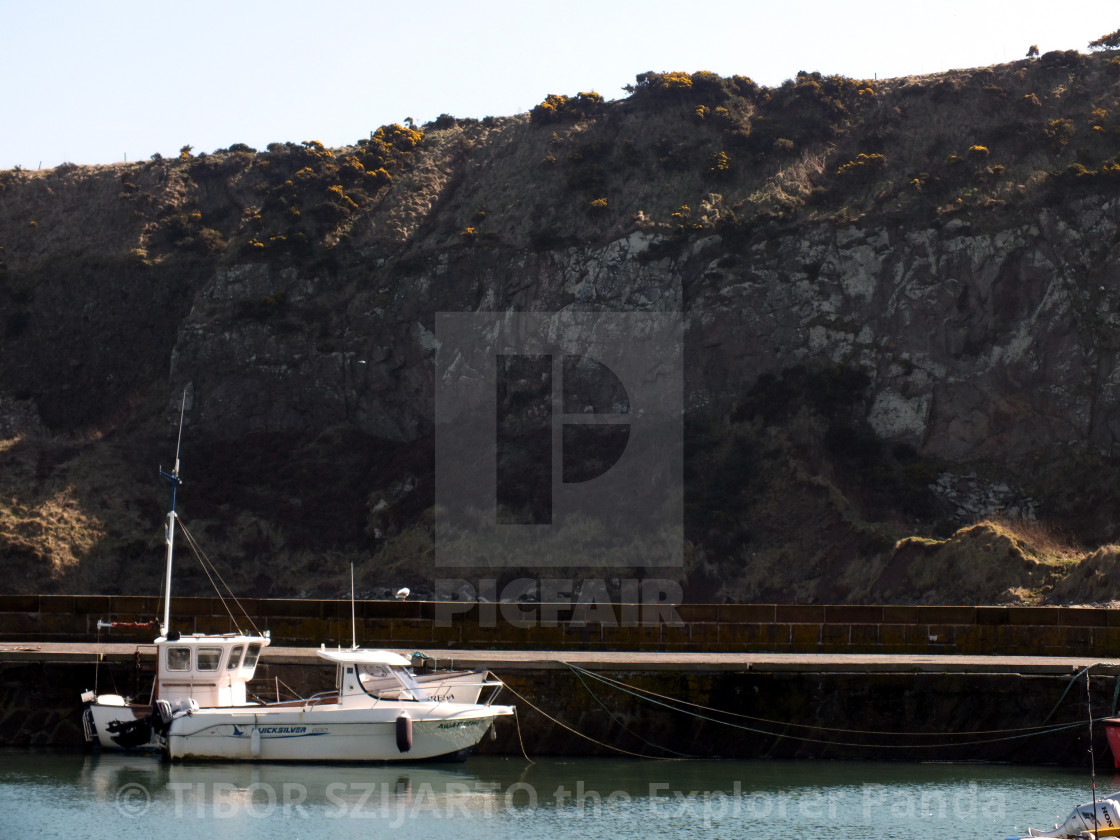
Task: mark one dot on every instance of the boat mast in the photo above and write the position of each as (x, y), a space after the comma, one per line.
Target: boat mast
(169, 532)
(353, 619)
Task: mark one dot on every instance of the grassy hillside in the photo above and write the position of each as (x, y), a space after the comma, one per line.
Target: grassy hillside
(306, 253)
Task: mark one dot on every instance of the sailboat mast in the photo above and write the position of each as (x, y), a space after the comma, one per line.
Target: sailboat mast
(169, 532)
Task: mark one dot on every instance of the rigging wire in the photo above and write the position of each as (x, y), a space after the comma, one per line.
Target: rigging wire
(205, 561)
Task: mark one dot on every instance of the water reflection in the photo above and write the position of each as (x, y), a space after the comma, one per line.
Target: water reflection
(114, 796)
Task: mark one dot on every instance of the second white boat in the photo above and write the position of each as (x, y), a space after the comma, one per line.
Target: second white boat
(351, 723)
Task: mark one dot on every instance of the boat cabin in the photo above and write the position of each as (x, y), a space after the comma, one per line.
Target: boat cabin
(212, 670)
(372, 673)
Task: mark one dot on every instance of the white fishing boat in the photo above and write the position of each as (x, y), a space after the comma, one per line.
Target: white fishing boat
(199, 669)
(192, 671)
(199, 704)
(349, 723)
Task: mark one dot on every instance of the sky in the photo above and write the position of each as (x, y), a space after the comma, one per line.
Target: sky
(102, 81)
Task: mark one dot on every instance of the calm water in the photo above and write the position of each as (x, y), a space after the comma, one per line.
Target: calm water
(120, 797)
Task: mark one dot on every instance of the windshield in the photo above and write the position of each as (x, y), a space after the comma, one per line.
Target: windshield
(390, 682)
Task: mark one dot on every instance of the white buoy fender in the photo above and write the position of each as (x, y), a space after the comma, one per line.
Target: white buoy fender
(404, 732)
(255, 742)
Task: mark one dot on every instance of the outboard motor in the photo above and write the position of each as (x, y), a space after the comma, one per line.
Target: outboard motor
(161, 716)
(1082, 819)
(131, 734)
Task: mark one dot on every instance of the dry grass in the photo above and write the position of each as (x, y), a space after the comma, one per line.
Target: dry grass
(1037, 540)
(55, 528)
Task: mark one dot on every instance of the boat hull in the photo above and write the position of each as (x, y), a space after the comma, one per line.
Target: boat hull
(1112, 730)
(118, 726)
(113, 724)
(328, 734)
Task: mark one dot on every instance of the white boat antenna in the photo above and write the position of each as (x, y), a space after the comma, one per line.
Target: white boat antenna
(169, 533)
(179, 441)
(353, 620)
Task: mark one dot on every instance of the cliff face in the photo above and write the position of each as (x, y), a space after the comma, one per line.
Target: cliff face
(900, 303)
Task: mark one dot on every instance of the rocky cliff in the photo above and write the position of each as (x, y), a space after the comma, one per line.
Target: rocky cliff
(900, 301)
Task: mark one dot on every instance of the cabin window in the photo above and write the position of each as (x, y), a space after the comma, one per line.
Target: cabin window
(234, 658)
(178, 659)
(251, 656)
(209, 659)
(389, 683)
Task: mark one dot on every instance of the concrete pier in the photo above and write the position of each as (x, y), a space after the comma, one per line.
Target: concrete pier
(657, 704)
(743, 628)
(682, 661)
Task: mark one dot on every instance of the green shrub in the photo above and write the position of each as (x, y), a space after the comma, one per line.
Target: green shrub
(1060, 59)
(706, 83)
(720, 165)
(674, 81)
(389, 147)
(550, 109)
(210, 241)
(557, 107)
(1111, 41)
(336, 194)
(863, 166)
(330, 212)
(1058, 133)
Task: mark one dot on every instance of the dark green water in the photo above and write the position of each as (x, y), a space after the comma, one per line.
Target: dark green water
(45, 795)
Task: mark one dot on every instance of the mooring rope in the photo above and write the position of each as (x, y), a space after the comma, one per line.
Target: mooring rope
(623, 726)
(1032, 732)
(640, 692)
(1084, 671)
(517, 723)
(563, 725)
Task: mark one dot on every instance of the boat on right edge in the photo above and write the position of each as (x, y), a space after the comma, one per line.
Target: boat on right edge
(1091, 820)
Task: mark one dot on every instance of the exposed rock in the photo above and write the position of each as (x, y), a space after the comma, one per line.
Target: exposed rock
(911, 338)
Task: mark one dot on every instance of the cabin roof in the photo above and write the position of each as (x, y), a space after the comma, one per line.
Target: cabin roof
(214, 639)
(363, 657)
